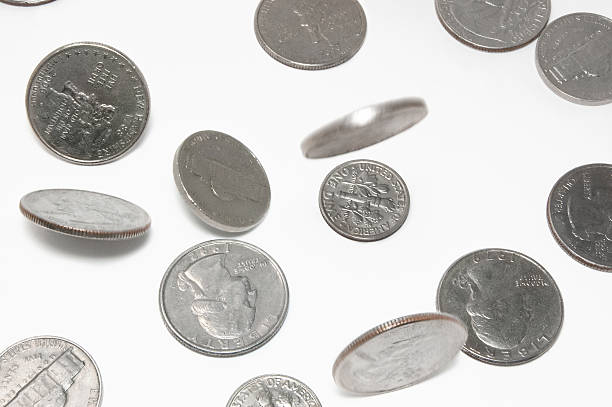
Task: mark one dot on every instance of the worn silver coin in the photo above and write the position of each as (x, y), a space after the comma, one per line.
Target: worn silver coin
(399, 353)
(574, 55)
(222, 181)
(494, 25)
(85, 214)
(364, 200)
(579, 213)
(274, 390)
(26, 2)
(311, 35)
(49, 372)
(88, 103)
(510, 303)
(364, 127)
(224, 298)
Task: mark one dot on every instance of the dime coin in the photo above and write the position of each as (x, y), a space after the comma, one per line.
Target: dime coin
(364, 127)
(85, 214)
(495, 25)
(224, 298)
(26, 2)
(222, 181)
(364, 200)
(573, 57)
(88, 103)
(399, 353)
(511, 305)
(274, 390)
(580, 215)
(48, 371)
(310, 35)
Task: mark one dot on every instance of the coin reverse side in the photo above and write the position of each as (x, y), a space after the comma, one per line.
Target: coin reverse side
(274, 390)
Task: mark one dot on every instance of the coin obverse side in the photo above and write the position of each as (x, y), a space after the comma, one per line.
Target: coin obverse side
(573, 57)
(274, 390)
(85, 214)
(364, 200)
(49, 371)
(510, 304)
(497, 25)
(579, 213)
(88, 103)
(224, 298)
(399, 353)
(26, 2)
(310, 35)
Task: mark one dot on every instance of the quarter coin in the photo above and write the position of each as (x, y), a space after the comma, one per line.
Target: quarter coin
(399, 353)
(224, 298)
(26, 2)
(510, 304)
(274, 390)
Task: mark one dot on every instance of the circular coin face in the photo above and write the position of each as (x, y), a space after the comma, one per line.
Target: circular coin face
(26, 2)
(310, 35)
(495, 25)
(222, 181)
(580, 215)
(399, 353)
(224, 298)
(574, 55)
(510, 304)
(49, 371)
(85, 214)
(274, 390)
(364, 200)
(88, 103)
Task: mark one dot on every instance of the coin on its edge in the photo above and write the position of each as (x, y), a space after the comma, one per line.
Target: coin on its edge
(274, 390)
(26, 2)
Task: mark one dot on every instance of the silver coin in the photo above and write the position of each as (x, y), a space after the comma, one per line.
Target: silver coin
(399, 353)
(574, 55)
(579, 214)
(510, 303)
(364, 200)
(274, 390)
(224, 298)
(494, 25)
(311, 35)
(222, 181)
(50, 372)
(85, 214)
(26, 2)
(88, 103)
(364, 127)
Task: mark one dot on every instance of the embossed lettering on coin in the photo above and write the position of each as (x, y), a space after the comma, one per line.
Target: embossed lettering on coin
(274, 391)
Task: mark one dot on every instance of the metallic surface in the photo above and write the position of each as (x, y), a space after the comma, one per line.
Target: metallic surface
(399, 353)
(511, 305)
(26, 2)
(224, 298)
(274, 391)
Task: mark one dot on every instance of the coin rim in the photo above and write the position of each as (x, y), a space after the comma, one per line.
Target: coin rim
(13, 3)
(266, 376)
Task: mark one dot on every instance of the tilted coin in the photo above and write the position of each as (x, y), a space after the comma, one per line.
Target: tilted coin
(26, 2)
(49, 371)
(364, 200)
(399, 353)
(579, 214)
(222, 181)
(274, 390)
(310, 35)
(88, 103)
(85, 214)
(511, 305)
(574, 55)
(364, 127)
(494, 25)
(224, 298)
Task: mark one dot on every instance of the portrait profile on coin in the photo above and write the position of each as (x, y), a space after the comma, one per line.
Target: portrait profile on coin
(591, 219)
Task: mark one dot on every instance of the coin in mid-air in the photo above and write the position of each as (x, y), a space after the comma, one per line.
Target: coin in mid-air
(364, 200)
(224, 298)
(222, 181)
(26, 2)
(580, 215)
(510, 304)
(88, 103)
(310, 35)
(574, 55)
(49, 371)
(494, 25)
(274, 390)
(85, 214)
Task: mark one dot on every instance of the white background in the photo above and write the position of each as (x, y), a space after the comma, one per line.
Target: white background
(479, 169)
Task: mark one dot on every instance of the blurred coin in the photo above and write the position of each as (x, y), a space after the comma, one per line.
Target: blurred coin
(26, 2)
(580, 215)
(222, 181)
(274, 391)
(510, 303)
(364, 127)
(310, 35)
(399, 353)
